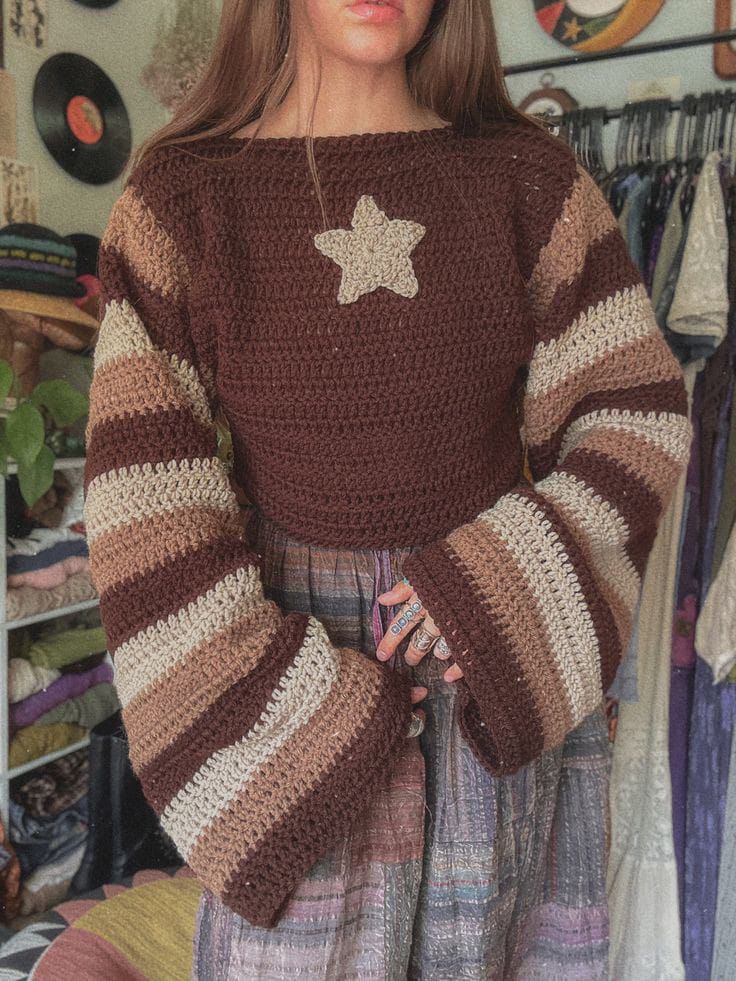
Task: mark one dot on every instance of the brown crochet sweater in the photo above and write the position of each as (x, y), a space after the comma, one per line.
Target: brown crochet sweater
(368, 370)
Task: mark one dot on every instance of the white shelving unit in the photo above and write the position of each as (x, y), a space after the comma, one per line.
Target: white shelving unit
(6, 774)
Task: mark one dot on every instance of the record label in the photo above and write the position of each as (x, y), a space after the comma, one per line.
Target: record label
(84, 119)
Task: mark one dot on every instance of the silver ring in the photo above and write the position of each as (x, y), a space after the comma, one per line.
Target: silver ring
(406, 614)
(423, 639)
(441, 650)
(417, 726)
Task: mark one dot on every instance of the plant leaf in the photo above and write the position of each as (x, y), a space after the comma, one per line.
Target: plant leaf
(6, 379)
(34, 479)
(65, 403)
(25, 432)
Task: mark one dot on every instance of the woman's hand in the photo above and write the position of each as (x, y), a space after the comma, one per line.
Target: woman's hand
(411, 615)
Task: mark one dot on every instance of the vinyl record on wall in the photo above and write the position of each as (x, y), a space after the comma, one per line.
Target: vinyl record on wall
(81, 118)
(595, 25)
(97, 4)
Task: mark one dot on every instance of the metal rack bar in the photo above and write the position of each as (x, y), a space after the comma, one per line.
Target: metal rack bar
(651, 47)
(616, 113)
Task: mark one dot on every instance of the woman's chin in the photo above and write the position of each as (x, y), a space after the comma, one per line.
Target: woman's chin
(373, 49)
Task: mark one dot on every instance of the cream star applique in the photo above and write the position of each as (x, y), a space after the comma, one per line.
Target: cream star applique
(375, 253)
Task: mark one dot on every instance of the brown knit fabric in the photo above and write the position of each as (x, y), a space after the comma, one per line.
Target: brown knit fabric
(368, 371)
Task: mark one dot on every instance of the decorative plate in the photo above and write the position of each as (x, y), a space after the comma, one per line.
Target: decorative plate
(548, 100)
(595, 25)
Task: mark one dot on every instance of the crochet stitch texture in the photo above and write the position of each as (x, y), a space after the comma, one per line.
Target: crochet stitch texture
(380, 422)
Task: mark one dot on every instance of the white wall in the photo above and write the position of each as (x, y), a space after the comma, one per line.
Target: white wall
(118, 40)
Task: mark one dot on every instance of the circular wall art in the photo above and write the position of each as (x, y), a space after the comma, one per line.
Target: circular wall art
(548, 100)
(595, 25)
(81, 118)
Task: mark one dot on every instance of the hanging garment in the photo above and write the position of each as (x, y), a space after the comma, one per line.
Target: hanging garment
(727, 510)
(642, 875)
(664, 186)
(700, 305)
(712, 722)
(683, 643)
(724, 942)
(639, 198)
(715, 632)
(625, 687)
(667, 295)
(674, 230)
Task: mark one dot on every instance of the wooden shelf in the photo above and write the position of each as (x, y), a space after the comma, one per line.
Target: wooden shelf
(7, 773)
(58, 611)
(17, 771)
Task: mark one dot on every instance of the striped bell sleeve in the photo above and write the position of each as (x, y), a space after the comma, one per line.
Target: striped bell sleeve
(257, 742)
(536, 595)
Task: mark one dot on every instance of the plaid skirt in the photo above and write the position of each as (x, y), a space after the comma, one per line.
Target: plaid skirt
(451, 873)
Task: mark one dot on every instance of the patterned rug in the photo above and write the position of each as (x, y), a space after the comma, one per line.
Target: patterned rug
(141, 929)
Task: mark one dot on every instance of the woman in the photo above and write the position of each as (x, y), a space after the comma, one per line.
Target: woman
(362, 307)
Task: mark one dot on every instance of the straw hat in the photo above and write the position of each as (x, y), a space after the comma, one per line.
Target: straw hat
(38, 275)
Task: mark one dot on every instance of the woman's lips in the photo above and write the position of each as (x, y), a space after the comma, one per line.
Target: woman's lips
(376, 13)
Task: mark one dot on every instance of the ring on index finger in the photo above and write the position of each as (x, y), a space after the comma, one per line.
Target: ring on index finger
(405, 615)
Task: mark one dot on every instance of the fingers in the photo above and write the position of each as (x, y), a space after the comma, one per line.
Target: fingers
(453, 673)
(398, 593)
(401, 625)
(422, 641)
(419, 716)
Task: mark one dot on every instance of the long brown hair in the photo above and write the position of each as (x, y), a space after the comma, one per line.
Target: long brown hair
(455, 70)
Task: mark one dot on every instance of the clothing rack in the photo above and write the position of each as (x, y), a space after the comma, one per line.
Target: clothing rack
(652, 47)
(618, 112)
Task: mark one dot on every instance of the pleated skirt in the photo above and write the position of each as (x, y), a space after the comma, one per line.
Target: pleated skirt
(450, 873)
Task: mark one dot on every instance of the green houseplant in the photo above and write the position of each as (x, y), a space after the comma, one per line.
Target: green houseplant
(30, 427)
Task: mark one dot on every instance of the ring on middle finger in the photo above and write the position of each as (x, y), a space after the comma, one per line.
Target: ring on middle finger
(423, 640)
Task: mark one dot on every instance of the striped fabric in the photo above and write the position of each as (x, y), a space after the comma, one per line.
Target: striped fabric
(451, 874)
(255, 739)
(536, 595)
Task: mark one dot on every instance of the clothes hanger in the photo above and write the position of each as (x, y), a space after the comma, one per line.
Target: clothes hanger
(694, 161)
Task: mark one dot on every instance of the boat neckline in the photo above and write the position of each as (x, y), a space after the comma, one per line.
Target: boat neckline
(369, 138)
